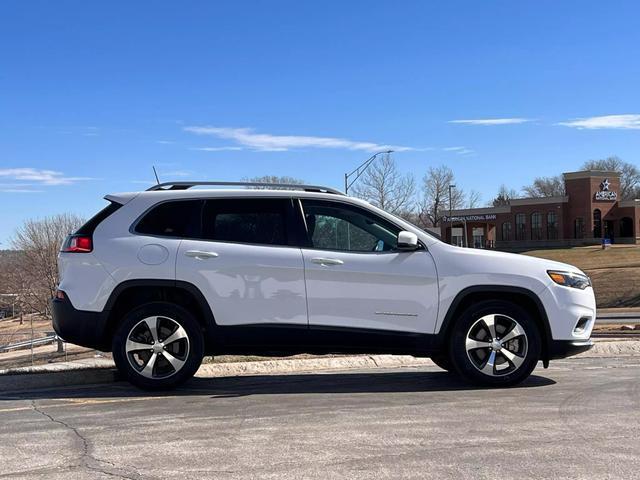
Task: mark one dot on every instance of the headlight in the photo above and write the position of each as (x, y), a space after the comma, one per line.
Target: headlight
(570, 279)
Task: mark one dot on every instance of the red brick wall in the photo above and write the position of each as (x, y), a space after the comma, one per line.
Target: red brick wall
(543, 209)
(582, 203)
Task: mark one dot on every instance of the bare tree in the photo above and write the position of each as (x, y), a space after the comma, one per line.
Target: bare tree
(435, 198)
(504, 196)
(545, 187)
(629, 174)
(8, 295)
(34, 276)
(385, 187)
(273, 179)
(473, 199)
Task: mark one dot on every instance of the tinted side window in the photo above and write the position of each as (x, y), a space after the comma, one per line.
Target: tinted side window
(173, 219)
(246, 220)
(336, 226)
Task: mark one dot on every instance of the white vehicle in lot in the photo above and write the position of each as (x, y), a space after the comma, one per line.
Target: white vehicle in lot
(165, 276)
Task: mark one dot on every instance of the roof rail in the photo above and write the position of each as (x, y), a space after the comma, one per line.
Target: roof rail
(277, 186)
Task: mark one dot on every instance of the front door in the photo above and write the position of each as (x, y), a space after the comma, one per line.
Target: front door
(246, 266)
(608, 230)
(356, 278)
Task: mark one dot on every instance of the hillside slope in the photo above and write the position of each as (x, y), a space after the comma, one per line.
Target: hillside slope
(615, 272)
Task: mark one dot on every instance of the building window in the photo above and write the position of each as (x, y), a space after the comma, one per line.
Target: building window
(506, 231)
(457, 236)
(478, 237)
(521, 226)
(597, 223)
(552, 226)
(578, 227)
(626, 227)
(536, 226)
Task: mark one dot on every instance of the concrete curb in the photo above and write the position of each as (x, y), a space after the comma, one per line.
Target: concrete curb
(79, 372)
(100, 370)
(309, 365)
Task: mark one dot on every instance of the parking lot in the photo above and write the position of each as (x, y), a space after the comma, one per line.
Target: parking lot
(578, 419)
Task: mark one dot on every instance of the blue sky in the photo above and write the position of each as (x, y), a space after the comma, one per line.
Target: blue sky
(94, 93)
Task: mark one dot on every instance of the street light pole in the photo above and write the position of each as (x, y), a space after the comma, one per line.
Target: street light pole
(360, 170)
(451, 187)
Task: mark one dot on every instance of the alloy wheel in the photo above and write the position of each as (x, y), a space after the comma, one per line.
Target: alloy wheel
(157, 347)
(496, 345)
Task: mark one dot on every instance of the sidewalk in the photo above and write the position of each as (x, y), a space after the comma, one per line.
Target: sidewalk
(606, 312)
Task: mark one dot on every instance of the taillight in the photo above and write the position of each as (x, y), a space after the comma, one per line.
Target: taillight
(78, 244)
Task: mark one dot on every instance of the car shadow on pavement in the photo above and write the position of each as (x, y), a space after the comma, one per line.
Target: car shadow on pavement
(335, 383)
(309, 383)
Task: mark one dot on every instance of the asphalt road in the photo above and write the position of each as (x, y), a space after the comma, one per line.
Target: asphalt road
(578, 419)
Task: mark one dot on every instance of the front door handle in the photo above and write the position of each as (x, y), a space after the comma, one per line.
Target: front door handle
(327, 261)
(200, 254)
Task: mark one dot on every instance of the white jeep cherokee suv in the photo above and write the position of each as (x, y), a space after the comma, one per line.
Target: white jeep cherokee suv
(165, 276)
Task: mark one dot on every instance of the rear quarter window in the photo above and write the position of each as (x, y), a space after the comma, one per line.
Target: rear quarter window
(89, 227)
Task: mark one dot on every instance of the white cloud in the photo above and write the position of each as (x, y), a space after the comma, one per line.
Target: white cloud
(40, 177)
(218, 149)
(623, 122)
(247, 137)
(459, 150)
(492, 121)
(19, 190)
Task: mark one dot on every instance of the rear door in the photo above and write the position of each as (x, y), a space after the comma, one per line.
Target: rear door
(357, 279)
(246, 264)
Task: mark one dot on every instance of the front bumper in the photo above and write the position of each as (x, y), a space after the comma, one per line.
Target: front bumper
(567, 348)
(566, 308)
(80, 327)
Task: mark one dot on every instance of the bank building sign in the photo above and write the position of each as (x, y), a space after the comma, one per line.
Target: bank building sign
(605, 193)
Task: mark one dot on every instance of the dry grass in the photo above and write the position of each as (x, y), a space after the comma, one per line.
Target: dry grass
(12, 332)
(615, 272)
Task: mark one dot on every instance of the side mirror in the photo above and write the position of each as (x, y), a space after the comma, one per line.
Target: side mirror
(407, 241)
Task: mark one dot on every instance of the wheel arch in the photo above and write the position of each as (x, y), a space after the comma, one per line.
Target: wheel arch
(131, 293)
(522, 296)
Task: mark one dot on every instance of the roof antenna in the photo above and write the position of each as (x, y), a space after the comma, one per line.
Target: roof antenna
(156, 174)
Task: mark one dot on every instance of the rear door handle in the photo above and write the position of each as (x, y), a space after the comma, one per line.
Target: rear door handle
(200, 254)
(327, 261)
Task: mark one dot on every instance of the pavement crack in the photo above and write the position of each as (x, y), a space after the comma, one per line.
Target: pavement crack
(87, 460)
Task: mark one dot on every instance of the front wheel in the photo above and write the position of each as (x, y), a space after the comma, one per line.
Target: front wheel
(158, 345)
(443, 361)
(495, 343)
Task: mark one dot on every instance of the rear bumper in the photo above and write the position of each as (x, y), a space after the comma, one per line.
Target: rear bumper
(568, 348)
(80, 327)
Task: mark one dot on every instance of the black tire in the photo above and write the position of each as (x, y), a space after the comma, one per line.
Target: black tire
(186, 352)
(443, 361)
(523, 349)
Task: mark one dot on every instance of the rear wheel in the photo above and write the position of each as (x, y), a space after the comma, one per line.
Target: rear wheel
(158, 345)
(495, 343)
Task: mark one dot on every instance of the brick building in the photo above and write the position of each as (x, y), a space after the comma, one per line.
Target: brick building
(590, 211)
